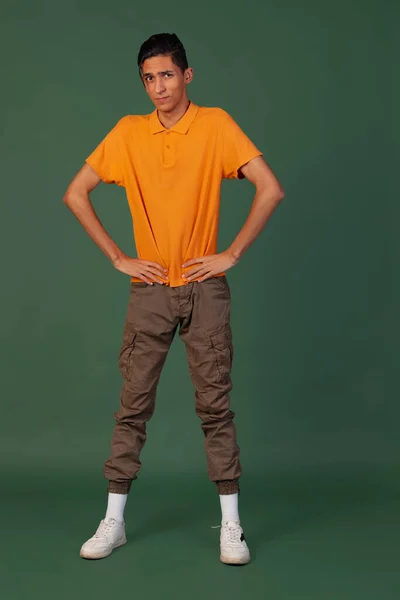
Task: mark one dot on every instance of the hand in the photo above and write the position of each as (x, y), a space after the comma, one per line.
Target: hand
(209, 266)
(145, 270)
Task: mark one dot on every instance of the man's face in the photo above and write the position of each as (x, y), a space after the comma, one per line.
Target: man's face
(165, 83)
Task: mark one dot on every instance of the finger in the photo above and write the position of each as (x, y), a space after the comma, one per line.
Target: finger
(156, 271)
(208, 276)
(191, 262)
(196, 270)
(158, 275)
(192, 273)
(144, 279)
(159, 267)
(155, 277)
(201, 273)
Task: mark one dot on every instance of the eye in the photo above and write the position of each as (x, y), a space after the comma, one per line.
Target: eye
(168, 74)
(147, 78)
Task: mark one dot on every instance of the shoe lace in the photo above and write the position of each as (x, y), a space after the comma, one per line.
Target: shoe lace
(233, 532)
(103, 529)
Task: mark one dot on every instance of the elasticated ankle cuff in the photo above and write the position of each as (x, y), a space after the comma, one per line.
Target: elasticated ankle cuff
(228, 486)
(119, 487)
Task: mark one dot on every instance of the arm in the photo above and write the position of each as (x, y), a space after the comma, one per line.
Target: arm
(268, 195)
(78, 201)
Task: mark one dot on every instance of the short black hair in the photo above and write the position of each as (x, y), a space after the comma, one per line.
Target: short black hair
(163, 44)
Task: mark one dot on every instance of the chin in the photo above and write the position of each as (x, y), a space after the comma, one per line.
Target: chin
(166, 106)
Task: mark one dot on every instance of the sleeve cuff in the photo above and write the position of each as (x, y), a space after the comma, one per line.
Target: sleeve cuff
(250, 157)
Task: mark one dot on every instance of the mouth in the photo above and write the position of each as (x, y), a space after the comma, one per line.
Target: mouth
(162, 99)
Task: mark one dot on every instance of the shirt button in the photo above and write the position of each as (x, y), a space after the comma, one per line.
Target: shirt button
(168, 146)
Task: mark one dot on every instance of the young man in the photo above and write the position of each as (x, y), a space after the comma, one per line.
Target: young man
(171, 163)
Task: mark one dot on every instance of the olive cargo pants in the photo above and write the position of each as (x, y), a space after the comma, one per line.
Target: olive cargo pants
(201, 310)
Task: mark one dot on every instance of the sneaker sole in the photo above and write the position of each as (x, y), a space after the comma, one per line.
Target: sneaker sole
(234, 561)
(89, 555)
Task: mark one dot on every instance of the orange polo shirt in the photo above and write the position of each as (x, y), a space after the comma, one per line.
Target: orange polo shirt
(172, 179)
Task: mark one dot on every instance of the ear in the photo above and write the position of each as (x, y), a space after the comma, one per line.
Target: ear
(188, 76)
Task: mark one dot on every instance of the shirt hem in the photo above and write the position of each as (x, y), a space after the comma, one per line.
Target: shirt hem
(174, 283)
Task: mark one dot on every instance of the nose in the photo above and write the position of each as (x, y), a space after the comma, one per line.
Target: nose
(160, 86)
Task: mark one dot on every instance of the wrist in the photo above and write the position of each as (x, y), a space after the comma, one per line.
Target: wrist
(234, 255)
(117, 259)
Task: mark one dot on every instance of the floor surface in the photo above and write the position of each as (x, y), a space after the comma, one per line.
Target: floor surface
(314, 534)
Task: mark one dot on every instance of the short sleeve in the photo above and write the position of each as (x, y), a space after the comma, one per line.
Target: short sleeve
(108, 158)
(237, 149)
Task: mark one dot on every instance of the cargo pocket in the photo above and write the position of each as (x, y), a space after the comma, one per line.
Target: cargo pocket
(126, 352)
(222, 347)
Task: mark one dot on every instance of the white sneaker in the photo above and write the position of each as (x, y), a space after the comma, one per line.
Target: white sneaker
(109, 535)
(234, 550)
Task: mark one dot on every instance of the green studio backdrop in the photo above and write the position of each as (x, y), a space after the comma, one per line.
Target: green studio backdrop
(314, 300)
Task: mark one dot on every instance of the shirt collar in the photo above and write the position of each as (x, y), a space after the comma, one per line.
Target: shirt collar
(182, 126)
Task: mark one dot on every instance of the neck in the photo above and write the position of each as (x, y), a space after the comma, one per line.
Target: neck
(168, 119)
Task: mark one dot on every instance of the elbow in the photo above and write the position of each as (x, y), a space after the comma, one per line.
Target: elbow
(67, 198)
(273, 192)
(71, 197)
(276, 194)
(71, 201)
(280, 194)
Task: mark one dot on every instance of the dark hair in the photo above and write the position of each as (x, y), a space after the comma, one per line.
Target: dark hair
(165, 44)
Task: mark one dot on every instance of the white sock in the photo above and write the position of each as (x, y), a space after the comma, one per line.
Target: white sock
(116, 506)
(229, 507)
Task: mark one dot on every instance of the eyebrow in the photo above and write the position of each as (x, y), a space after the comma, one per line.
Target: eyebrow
(159, 73)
